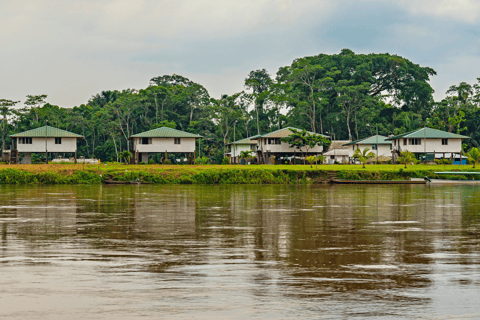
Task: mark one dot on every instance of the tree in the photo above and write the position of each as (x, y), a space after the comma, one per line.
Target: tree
(126, 155)
(406, 157)
(473, 156)
(311, 160)
(5, 111)
(225, 112)
(320, 158)
(35, 103)
(363, 155)
(246, 154)
(303, 140)
(259, 82)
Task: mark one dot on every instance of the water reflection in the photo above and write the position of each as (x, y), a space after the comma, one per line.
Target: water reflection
(239, 251)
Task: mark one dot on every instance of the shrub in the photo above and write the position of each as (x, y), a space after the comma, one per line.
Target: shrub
(225, 160)
(167, 162)
(151, 161)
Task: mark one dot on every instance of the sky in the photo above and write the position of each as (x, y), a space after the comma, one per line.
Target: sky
(72, 50)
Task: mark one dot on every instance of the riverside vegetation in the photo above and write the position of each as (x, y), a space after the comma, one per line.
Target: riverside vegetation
(345, 94)
(218, 174)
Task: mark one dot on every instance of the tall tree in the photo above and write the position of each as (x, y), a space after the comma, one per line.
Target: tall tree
(259, 83)
(35, 103)
(5, 110)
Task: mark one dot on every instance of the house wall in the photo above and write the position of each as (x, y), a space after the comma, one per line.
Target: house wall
(383, 149)
(430, 146)
(166, 144)
(283, 147)
(237, 149)
(38, 145)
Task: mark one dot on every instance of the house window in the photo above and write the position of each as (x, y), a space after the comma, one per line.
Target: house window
(390, 147)
(278, 141)
(415, 142)
(404, 142)
(176, 140)
(25, 140)
(58, 140)
(144, 140)
(444, 142)
(252, 147)
(374, 147)
(353, 147)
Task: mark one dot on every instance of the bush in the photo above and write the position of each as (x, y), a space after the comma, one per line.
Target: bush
(151, 161)
(443, 161)
(225, 160)
(167, 162)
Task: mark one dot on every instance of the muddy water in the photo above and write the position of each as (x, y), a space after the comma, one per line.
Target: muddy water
(239, 252)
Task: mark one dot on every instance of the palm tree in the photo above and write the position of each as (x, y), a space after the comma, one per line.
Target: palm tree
(320, 158)
(473, 156)
(311, 160)
(363, 156)
(407, 157)
(126, 155)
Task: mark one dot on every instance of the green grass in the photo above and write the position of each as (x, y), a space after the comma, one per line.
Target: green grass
(217, 174)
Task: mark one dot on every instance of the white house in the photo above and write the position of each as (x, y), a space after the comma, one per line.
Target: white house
(338, 151)
(270, 144)
(427, 141)
(377, 144)
(165, 140)
(43, 140)
(247, 144)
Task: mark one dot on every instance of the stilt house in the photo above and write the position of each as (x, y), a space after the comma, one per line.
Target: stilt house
(43, 140)
(164, 140)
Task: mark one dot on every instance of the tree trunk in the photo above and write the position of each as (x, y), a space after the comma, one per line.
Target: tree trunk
(348, 126)
(258, 125)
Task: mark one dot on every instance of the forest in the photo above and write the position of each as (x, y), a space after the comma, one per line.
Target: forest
(345, 95)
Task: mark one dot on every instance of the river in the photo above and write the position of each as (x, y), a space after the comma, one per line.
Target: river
(240, 252)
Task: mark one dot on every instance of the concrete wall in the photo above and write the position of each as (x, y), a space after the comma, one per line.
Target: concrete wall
(283, 147)
(38, 145)
(165, 144)
(430, 146)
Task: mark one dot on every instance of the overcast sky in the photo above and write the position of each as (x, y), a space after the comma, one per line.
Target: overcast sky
(74, 49)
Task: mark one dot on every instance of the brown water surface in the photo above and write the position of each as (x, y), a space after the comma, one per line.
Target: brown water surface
(239, 252)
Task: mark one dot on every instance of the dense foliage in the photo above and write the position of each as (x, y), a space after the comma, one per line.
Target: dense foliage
(344, 95)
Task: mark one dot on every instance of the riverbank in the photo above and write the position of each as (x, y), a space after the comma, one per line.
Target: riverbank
(219, 174)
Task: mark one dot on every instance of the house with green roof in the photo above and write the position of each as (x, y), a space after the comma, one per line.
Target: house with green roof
(44, 140)
(236, 147)
(427, 141)
(270, 144)
(377, 144)
(163, 140)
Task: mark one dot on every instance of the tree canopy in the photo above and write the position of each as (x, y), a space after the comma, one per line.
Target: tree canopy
(337, 93)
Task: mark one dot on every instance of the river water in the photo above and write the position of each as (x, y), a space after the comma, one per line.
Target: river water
(239, 252)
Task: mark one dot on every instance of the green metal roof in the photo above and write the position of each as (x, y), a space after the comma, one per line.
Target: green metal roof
(285, 132)
(248, 140)
(370, 140)
(165, 132)
(47, 131)
(429, 133)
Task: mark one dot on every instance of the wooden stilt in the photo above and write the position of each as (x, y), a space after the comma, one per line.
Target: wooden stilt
(75, 159)
(195, 157)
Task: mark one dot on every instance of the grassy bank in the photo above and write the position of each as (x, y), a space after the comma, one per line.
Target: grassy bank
(216, 174)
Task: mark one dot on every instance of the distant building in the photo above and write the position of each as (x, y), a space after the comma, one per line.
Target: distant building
(270, 144)
(247, 144)
(43, 140)
(338, 151)
(163, 140)
(427, 141)
(377, 144)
